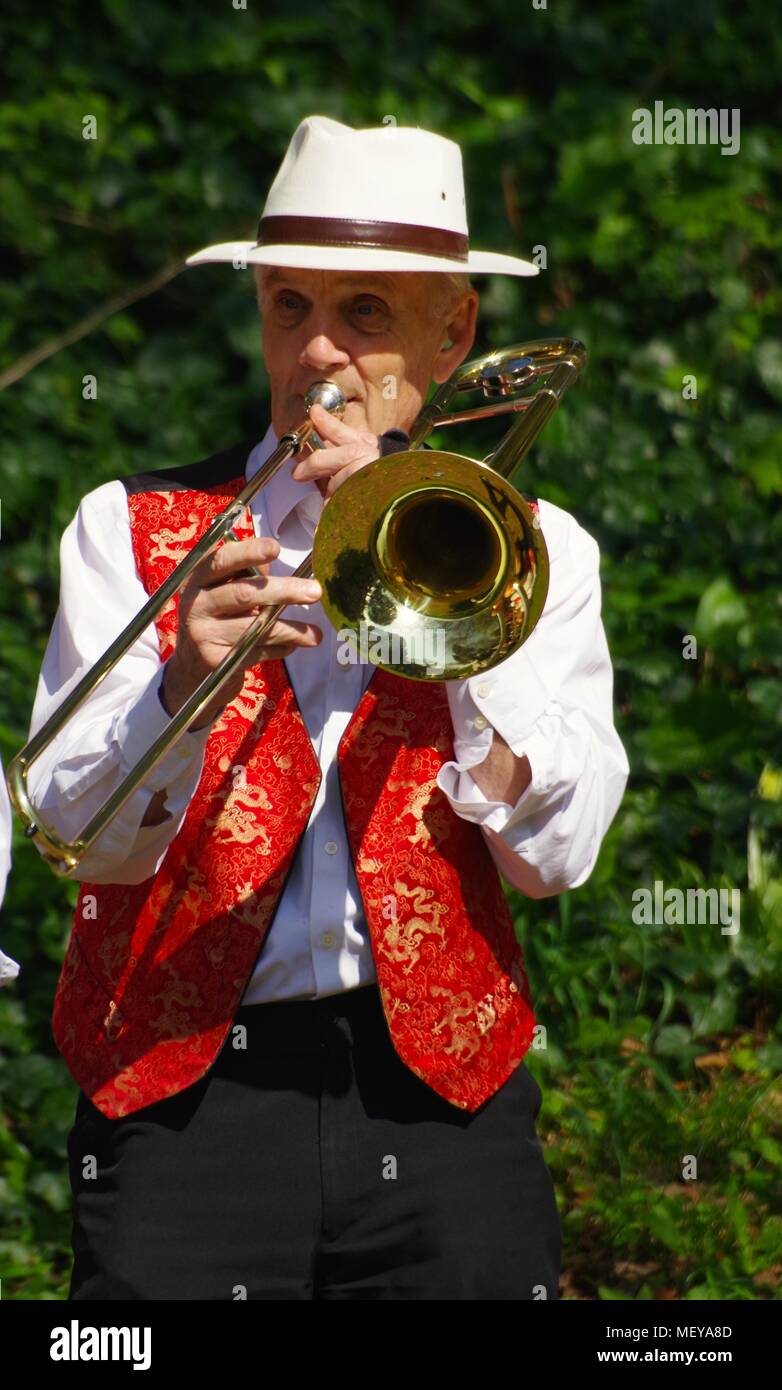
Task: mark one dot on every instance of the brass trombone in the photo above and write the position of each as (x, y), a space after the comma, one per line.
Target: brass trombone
(434, 559)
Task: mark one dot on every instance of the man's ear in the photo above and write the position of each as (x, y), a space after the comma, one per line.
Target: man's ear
(459, 337)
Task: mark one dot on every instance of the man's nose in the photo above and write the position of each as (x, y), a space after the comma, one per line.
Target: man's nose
(322, 353)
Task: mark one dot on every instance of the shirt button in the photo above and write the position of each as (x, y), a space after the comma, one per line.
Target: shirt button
(480, 721)
(328, 939)
(331, 847)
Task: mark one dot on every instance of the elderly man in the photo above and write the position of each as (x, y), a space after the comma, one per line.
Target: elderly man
(292, 997)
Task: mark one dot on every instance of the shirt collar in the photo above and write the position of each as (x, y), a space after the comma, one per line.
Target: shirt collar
(284, 494)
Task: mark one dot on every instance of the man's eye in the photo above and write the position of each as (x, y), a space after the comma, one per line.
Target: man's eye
(289, 301)
(368, 310)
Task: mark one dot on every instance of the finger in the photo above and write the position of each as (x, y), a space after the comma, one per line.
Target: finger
(327, 461)
(225, 635)
(232, 557)
(330, 427)
(284, 638)
(249, 595)
(336, 432)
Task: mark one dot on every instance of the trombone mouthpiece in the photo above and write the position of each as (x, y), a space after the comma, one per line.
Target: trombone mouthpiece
(327, 394)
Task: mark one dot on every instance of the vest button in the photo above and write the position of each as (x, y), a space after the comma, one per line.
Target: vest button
(331, 847)
(328, 939)
(483, 691)
(480, 721)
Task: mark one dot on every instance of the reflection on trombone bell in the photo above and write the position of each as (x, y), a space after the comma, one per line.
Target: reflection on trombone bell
(415, 543)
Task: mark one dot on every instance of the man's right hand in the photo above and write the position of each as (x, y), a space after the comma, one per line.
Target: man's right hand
(215, 610)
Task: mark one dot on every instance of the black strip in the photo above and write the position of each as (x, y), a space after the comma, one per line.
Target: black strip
(393, 442)
(219, 468)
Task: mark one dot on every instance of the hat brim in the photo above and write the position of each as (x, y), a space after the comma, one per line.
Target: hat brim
(358, 258)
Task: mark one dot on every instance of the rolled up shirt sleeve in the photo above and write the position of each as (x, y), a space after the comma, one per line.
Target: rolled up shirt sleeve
(100, 591)
(551, 701)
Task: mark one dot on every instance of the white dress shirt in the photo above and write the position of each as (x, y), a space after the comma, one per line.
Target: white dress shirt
(550, 700)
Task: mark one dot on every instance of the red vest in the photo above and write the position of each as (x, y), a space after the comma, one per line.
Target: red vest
(155, 971)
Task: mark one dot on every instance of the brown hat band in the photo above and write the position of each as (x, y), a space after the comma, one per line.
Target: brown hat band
(344, 231)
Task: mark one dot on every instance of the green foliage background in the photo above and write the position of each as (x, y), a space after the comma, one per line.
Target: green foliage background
(663, 1041)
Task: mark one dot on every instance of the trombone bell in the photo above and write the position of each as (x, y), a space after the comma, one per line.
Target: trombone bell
(432, 565)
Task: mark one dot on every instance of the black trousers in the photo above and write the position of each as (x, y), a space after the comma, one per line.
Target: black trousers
(314, 1164)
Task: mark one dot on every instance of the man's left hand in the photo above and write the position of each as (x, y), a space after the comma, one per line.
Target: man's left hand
(347, 450)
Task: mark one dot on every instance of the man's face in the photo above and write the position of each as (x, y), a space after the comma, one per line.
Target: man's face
(380, 336)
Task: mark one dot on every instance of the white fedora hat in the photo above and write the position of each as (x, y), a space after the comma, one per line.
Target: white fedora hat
(386, 198)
